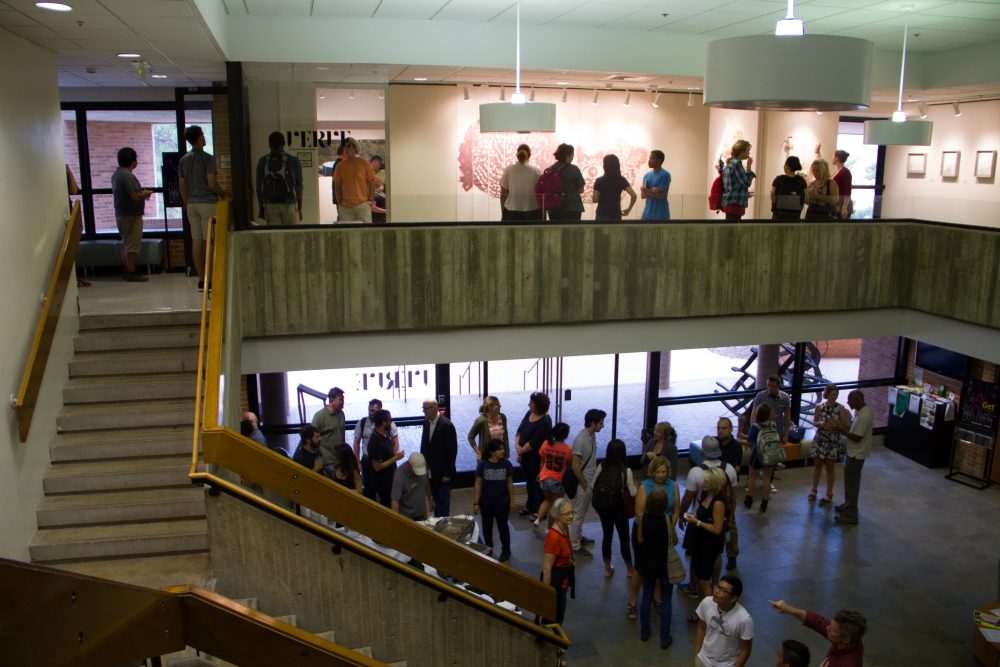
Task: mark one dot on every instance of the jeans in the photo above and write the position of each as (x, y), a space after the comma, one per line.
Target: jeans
(496, 511)
(530, 464)
(646, 604)
(610, 523)
(852, 486)
(441, 492)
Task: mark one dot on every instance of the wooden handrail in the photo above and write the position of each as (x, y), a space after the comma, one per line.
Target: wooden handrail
(45, 331)
(216, 327)
(289, 479)
(551, 633)
(61, 618)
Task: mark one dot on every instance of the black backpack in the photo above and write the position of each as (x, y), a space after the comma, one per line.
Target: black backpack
(276, 186)
(609, 490)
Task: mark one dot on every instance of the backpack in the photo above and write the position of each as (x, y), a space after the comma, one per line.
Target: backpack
(609, 490)
(275, 186)
(715, 194)
(549, 189)
(769, 446)
(727, 492)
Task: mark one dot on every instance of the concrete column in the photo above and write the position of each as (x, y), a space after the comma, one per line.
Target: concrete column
(274, 398)
(665, 369)
(767, 363)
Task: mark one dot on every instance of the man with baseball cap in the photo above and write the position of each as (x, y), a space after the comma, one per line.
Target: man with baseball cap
(411, 490)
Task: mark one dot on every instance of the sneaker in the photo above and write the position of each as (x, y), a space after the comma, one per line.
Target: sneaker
(731, 563)
(843, 518)
(644, 638)
(201, 285)
(763, 505)
(583, 552)
(136, 278)
(586, 540)
(666, 644)
(840, 508)
(748, 502)
(504, 555)
(687, 591)
(773, 489)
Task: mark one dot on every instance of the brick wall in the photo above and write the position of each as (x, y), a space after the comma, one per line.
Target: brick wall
(220, 130)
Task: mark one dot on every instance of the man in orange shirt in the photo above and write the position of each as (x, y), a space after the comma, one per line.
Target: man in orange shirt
(354, 183)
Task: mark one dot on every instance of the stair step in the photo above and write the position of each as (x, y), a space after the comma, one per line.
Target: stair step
(290, 619)
(133, 414)
(134, 320)
(328, 636)
(121, 443)
(109, 388)
(83, 476)
(113, 340)
(134, 362)
(121, 506)
(364, 650)
(249, 603)
(155, 571)
(129, 539)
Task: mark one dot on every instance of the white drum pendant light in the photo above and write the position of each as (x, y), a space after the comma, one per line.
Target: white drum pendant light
(899, 131)
(516, 115)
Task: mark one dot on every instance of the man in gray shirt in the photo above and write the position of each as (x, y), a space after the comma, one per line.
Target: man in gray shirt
(200, 192)
(329, 421)
(585, 468)
(130, 203)
(411, 490)
(780, 404)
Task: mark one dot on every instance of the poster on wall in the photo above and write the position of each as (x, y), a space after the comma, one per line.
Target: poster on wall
(986, 164)
(916, 164)
(949, 164)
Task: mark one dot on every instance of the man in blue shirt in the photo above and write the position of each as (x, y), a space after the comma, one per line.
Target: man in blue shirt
(655, 186)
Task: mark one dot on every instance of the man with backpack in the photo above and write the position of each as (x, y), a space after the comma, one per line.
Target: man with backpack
(279, 184)
(712, 452)
(362, 434)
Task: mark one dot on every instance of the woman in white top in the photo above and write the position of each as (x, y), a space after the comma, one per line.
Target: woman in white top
(517, 188)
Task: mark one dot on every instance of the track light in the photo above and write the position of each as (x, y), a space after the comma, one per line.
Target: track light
(351, 96)
(628, 97)
(466, 95)
(690, 98)
(594, 101)
(564, 96)
(957, 109)
(532, 97)
(656, 100)
(922, 110)
(503, 94)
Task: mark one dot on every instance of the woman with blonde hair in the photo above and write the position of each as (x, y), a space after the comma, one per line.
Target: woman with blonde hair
(517, 190)
(657, 479)
(490, 424)
(709, 523)
(822, 195)
(736, 181)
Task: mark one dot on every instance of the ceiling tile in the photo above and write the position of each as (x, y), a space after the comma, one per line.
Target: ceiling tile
(472, 10)
(345, 8)
(279, 7)
(235, 7)
(165, 8)
(408, 9)
(594, 14)
(11, 17)
(535, 12)
(80, 8)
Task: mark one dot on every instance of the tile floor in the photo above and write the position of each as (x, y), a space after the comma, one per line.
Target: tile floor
(925, 554)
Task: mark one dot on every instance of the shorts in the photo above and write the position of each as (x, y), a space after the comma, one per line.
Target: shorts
(552, 485)
(198, 216)
(130, 228)
(359, 213)
(281, 214)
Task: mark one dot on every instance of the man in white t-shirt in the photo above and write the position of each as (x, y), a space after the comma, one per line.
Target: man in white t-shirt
(725, 629)
(859, 448)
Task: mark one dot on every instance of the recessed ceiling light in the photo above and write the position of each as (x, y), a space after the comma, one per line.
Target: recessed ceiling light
(420, 78)
(129, 55)
(158, 76)
(54, 6)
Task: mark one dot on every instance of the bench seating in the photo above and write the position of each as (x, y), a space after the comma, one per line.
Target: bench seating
(108, 252)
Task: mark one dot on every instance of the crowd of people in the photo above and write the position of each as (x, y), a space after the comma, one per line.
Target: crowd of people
(564, 480)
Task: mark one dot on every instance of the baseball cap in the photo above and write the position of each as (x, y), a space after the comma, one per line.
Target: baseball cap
(418, 463)
(710, 447)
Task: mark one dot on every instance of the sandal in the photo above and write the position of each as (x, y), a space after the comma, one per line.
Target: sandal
(630, 613)
(524, 511)
(812, 496)
(826, 500)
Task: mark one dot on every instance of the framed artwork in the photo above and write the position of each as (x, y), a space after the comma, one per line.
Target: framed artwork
(949, 164)
(916, 164)
(986, 164)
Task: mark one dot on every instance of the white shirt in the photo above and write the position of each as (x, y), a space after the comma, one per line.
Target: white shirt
(862, 425)
(696, 476)
(519, 182)
(724, 632)
(431, 424)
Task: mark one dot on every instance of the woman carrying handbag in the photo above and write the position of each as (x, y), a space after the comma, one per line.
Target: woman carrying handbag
(655, 534)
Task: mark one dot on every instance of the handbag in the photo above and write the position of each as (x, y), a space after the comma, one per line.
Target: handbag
(675, 566)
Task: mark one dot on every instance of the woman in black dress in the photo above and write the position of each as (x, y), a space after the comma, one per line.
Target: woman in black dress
(533, 431)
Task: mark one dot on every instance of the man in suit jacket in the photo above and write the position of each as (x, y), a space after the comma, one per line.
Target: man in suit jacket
(439, 445)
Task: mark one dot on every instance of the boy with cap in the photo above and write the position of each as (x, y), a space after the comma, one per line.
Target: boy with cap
(411, 490)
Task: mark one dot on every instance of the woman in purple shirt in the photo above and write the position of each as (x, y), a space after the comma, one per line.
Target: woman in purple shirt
(608, 191)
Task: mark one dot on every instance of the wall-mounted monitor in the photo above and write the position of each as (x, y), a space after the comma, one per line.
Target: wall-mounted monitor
(941, 361)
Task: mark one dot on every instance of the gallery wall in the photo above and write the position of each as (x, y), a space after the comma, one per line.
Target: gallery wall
(930, 196)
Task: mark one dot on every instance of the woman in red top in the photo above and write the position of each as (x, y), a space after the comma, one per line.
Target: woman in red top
(557, 457)
(557, 569)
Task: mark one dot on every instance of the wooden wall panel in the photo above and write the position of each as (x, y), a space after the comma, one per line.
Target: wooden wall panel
(320, 281)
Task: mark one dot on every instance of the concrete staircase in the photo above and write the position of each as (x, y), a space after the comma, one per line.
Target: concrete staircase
(117, 486)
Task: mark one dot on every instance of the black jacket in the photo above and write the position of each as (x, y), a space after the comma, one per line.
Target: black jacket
(441, 450)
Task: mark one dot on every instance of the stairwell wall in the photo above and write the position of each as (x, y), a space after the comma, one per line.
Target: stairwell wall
(33, 193)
